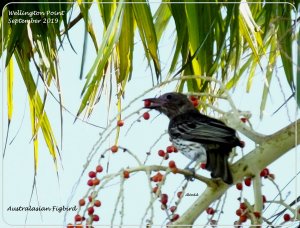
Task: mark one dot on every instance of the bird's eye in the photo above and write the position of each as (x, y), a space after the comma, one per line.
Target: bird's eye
(169, 97)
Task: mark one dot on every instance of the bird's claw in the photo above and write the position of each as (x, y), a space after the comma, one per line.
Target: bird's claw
(190, 177)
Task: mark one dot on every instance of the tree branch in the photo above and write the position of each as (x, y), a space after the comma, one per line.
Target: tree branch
(209, 182)
(273, 147)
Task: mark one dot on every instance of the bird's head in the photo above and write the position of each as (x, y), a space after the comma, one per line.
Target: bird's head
(171, 104)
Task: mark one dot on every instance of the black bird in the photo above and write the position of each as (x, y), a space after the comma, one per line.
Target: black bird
(197, 136)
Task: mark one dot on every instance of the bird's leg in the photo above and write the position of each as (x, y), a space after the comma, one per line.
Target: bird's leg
(187, 167)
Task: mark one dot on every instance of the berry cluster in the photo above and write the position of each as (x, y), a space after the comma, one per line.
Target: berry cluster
(164, 198)
(91, 203)
(247, 182)
(146, 115)
(165, 153)
(244, 213)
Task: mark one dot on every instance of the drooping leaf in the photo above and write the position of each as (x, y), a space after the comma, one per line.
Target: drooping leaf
(124, 48)
(271, 64)
(161, 19)
(144, 21)
(284, 35)
(109, 40)
(38, 116)
(10, 81)
(181, 29)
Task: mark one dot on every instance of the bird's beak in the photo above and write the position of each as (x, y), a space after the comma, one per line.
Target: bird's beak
(153, 103)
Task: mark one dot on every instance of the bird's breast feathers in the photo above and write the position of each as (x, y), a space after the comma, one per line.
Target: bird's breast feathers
(192, 150)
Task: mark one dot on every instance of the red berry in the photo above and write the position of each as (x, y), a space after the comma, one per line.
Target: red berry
(244, 119)
(114, 149)
(146, 116)
(90, 210)
(70, 225)
(195, 103)
(78, 218)
(171, 149)
(97, 203)
(92, 174)
(81, 202)
(243, 218)
(96, 218)
(173, 209)
(90, 182)
(239, 212)
(78, 226)
(256, 214)
(210, 211)
(157, 178)
(120, 123)
(90, 198)
(265, 172)
(179, 194)
(154, 190)
(264, 199)
(175, 217)
(193, 98)
(99, 169)
(147, 103)
(161, 153)
(203, 165)
(243, 206)
(96, 181)
(247, 181)
(126, 174)
(164, 198)
(172, 164)
(239, 186)
(286, 217)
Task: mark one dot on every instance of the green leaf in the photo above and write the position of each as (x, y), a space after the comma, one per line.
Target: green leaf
(125, 46)
(104, 53)
(35, 136)
(147, 32)
(161, 17)
(181, 30)
(10, 81)
(284, 35)
(271, 64)
(194, 25)
(110, 35)
(37, 112)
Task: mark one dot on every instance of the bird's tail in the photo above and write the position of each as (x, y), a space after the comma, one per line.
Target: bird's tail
(217, 163)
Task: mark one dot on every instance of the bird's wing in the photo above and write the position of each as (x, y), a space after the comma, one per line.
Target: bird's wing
(202, 129)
